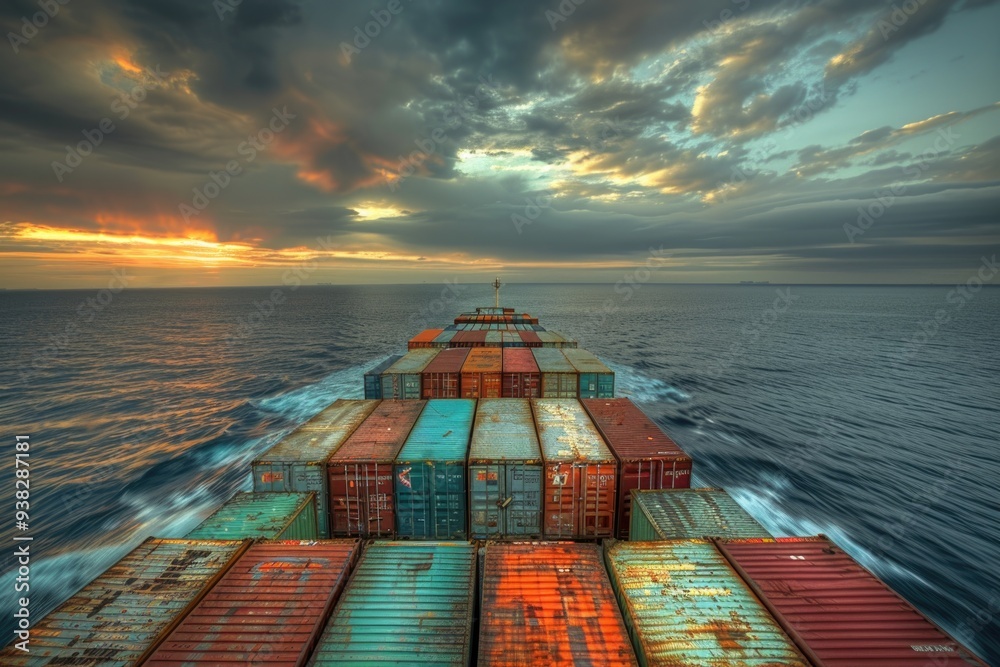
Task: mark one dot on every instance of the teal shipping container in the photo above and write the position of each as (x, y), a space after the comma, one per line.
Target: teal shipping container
(430, 479)
(674, 514)
(298, 463)
(505, 471)
(559, 378)
(408, 603)
(685, 605)
(596, 379)
(402, 379)
(271, 516)
(443, 339)
(373, 377)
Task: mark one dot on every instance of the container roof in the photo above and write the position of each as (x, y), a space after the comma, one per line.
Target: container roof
(504, 430)
(382, 434)
(689, 513)
(255, 515)
(318, 439)
(566, 432)
(585, 361)
(413, 361)
(442, 431)
(631, 434)
(552, 360)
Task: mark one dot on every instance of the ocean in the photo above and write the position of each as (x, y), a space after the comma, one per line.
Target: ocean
(869, 414)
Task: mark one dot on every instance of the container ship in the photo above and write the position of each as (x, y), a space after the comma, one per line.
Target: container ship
(489, 502)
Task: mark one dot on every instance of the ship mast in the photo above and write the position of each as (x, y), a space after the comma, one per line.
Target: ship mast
(496, 286)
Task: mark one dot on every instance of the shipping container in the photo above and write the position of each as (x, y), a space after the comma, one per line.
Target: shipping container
(549, 603)
(481, 373)
(596, 379)
(494, 338)
(424, 339)
(298, 462)
(530, 338)
(361, 471)
(580, 472)
(521, 378)
(402, 379)
(430, 480)
(444, 338)
(511, 338)
(373, 377)
(505, 471)
(269, 608)
(684, 605)
(675, 514)
(470, 337)
(647, 457)
(551, 338)
(442, 377)
(559, 377)
(408, 603)
(272, 516)
(123, 615)
(839, 613)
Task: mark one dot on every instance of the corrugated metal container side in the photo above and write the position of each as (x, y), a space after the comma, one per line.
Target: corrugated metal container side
(559, 377)
(549, 603)
(839, 613)
(287, 516)
(596, 379)
(684, 605)
(407, 603)
(469, 338)
(373, 377)
(442, 377)
(361, 471)
(505, 471)
(298, 463)
(269, 607)
(481, 373)
(430, 480)
(424, 339)
(580, 471)
(122, 615)
(647, 457)
(402, 379)
(521, 378)
(530, 338)
(444, 338)
(676, 514)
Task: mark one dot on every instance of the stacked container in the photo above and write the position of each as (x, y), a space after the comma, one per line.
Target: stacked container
(402, 379)
(443, 339)
(442, 377)
(373, 377)
(494, 338)
(530, 339)
(596, 379)
(269, 607)
(430, 478)
(521, 378)
(549, 603)
(647, 457)
(580, 472)
(468, 338)
(676, 514)
(481, 373)
(559, 377)
(298, 463)
(554, 339)
(285, 516)
(407, 603)
(361, 471)
(684, 605)
(122, 616)
(512, 338)
(505, 471)
(840, 614)
(424, 339)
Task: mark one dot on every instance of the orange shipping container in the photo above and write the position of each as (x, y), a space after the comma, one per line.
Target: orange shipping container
(481, 373)
(549, 603)
(425, 338)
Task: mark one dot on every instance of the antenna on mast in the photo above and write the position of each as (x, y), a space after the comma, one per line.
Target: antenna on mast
(496, 286)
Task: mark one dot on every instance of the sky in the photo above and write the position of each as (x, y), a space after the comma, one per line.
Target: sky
(259, 142)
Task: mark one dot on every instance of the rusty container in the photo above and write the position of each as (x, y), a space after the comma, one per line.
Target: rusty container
(481, 373)
(442, 378)
(549, 603)
(360, 471)
(559, 377)
(424, 339)
(530, 338)
(596, 379)
(673, 514)
(511, 338)
(580, 472)
(268, 609)
(373, 377)
(469, 338)
(402, 379)
(521, 378)
(285, 516)
(444, 338)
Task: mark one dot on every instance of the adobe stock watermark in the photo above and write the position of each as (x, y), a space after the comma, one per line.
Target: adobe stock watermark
(886, 197)
(562, 12)
(249, 149)
(372, 29)
(122, 106)
(897, 18)
(532, 210)
(752, 331)
(629, 284)
(31, 26)
(449, 294)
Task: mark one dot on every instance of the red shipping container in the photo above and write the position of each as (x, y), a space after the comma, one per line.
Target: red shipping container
(521, 378)
(269, 607)
(360, 472)
(530, 339)
(443, 376)
(647, 457)
(481, 372)
(424, 339)
(838, 613)
(469, 339)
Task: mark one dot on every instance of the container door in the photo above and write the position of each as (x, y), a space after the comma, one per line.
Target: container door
(606, 385)
(560, 500)
(413, 483)
(490, 386)
(379, 515)
(486, 493)
(345, 500)
(390, 386)
(522, 500)
(448, 501)
(411, 385)
(588, 385)
(598, 500)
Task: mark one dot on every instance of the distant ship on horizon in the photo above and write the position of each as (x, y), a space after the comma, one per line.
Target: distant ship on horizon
(755, 282)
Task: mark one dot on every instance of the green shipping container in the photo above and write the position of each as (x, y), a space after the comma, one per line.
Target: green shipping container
(430, 481)
(402, 379)
(298, 463)
(505, 470)
(270, 516)
(559, 378)
(596, 379)
(408, 603)
(675, 514)
(683, 604)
